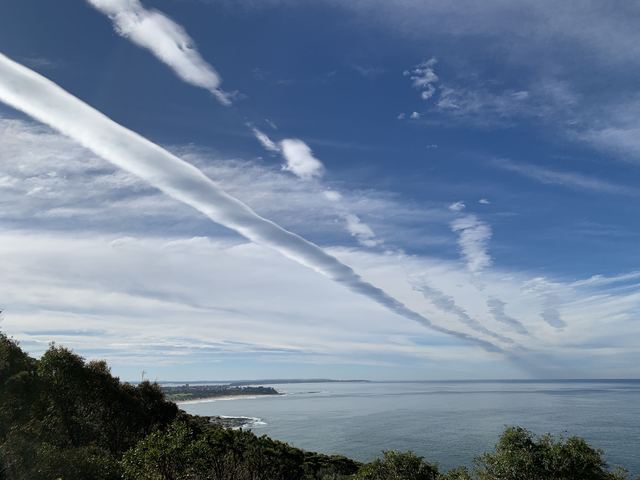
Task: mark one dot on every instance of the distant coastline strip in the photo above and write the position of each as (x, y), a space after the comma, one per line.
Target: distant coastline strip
(196, 393)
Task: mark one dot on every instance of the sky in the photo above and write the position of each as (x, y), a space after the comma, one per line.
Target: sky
(363, 189)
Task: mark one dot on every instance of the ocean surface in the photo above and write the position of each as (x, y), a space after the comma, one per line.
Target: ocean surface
(446, 422)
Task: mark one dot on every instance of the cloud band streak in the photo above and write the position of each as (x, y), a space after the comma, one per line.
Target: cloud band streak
(45, 101)
(446, 303)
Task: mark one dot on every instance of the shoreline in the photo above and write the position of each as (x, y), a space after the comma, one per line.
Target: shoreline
(225, 398)
(236, 422)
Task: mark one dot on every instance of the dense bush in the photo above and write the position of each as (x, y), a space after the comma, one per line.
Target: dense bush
(398, 466)
(519, 455)
(184, 451)
(62, 418)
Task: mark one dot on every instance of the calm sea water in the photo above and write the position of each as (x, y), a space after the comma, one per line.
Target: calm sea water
(446, 422)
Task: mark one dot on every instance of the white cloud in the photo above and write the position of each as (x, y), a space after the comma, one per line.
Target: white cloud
(167, 40)
(265, 141)
(40, 98)
(300, 159)
(333, 195)
(601, 280)
(622, 140)
(424, 78)
(457, 206)
(482, 106)
(484, 201)
(78, 188)
(224, 292)
(473, 239)
(415, 116)
(361, 231)
(109, 296)
(497, 309)
(447, 304)
(551, 302)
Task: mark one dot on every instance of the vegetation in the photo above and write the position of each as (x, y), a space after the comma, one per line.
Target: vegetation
(194, 392)
(62, 418)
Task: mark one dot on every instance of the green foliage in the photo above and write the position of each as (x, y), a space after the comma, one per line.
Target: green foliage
(328, 467)
(398, 466)
(162, 455)
(460, 473)
(62, 418)
(519, 455)
(192, 450)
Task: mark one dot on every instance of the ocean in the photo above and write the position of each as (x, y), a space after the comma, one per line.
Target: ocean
(448, 423)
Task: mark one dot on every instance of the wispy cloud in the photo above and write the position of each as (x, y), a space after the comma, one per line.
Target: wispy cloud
(447, 304)
(40, 62)
(300, 160)
(497, 309)
(298, 157)
(473, 102)
(601, 280)
(40, 98)
(167, 40)
(423, 77)
(332, 195)
(457, 206)
(574, 180)
(265, 141)
(551, 314)
(549, 293)
(368, 71)
(361, 231)
(481, 105)
(473, 239)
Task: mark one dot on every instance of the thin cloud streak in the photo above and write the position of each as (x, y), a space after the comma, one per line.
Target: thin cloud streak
(361, 231)
(45, 101)
(265, 141)
(168, 41)
(473, 236)
(497, 309)
(574, 180)
(447, 304)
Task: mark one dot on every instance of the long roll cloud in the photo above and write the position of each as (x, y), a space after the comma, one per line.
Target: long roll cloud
(45, 101)
(163, 37)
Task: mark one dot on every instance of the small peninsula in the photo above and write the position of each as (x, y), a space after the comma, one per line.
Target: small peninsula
(186, 392)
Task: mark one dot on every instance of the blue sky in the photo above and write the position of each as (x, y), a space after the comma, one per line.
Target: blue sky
(476, 162)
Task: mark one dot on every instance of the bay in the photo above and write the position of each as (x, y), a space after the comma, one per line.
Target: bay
(446, 422)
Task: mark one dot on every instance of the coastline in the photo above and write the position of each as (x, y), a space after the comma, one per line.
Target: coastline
(224, 398)
(236, 422)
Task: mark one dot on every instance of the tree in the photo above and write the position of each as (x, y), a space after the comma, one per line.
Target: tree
(162, 455)
(398, 466)
(459, 473)
(519, 455)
